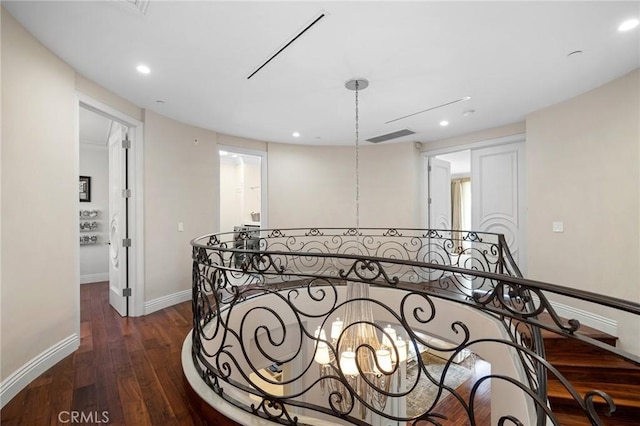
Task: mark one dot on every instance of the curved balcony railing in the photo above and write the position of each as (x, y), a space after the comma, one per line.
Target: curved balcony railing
(264, 302)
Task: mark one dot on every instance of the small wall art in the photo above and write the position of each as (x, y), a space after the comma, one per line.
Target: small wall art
(85, 189)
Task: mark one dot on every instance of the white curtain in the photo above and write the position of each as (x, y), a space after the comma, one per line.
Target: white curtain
(459, 205)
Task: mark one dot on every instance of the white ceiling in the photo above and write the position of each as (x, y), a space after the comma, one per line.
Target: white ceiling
(509, 57)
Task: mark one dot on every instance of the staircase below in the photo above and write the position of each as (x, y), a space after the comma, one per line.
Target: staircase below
(590, 368)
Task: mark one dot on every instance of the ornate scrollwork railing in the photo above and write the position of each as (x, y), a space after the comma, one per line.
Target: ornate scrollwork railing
(260, 299)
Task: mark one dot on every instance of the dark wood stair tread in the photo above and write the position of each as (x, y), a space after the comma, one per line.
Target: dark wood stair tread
(591, 360)
(584, 330)
(624, 395)
(579, 419)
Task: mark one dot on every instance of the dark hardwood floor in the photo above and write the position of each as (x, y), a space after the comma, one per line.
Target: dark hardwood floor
(127, 371)
(127, 367)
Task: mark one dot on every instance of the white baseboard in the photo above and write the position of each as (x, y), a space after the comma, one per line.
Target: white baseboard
(19, 379)
(604, 324)
(587, 318)
(166, 301)
(94, 278)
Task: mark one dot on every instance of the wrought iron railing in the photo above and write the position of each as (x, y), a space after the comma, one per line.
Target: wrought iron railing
(260, 299)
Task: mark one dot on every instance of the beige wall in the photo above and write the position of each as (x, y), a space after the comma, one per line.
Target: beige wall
(39, 199)
(180, 179)
(107, 97)
(315, 186)
(583, 170)
(241, 142)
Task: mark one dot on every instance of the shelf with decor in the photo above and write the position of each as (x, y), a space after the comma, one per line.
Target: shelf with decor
(88, 226)
(88, 214)
(88, 240)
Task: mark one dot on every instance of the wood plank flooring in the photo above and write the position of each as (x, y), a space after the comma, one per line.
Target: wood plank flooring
(128, 368)
(127, 371)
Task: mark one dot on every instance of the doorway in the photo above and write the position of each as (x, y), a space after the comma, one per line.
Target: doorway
(480, 187)
(243, 189)
(110, 211)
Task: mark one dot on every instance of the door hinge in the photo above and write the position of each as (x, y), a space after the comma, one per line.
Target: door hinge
(126, 143)
(126, 193)
(126, 242)
(429, 168)
(429, 200)
(126, 292)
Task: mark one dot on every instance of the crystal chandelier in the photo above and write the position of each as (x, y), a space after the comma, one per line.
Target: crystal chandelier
(357, 368)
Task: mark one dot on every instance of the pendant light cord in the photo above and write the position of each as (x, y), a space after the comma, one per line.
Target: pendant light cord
(357, 165)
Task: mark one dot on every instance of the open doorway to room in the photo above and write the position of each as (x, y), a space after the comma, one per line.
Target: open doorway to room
(94, 196)
(243, 190)
(460, 177)
(110, 201)
(480, 187)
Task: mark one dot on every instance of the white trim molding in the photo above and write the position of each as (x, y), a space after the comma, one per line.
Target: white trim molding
(94, 278)
(166, 301)
(604, 324)
(136, 206)
(20, 378)
(587, 318)
(518, 137)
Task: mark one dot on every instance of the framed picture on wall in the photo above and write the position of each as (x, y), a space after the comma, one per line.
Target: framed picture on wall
(85, 189)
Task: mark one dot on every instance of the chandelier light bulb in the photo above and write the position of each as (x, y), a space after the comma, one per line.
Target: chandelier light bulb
(348, 363)
(401, 346)
(322, 354)
(336, 329)
(319, 333)
(383, 357)
(389, 336)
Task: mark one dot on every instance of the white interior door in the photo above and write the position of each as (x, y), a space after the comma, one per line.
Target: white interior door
(117, 220)
(497, 194)
(439, 211)
(439, 178)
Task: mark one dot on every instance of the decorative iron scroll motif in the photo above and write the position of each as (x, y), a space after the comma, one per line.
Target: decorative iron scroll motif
(263, 324)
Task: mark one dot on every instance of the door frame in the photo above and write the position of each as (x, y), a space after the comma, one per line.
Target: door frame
(424, 207)
(505, 140)
(264, 187)
(136, 204)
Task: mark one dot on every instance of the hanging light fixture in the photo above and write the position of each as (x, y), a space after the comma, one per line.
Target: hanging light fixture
(368, 366)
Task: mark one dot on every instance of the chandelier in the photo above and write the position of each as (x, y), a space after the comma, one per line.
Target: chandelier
(362, 364)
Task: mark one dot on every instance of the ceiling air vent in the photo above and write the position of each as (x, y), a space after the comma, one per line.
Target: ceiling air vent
(392, 135)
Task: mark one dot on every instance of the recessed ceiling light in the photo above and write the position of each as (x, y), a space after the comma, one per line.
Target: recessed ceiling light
(159, 101)
(574, 53)
(143, 69)
(296, 134)
(629, 24)
(468, 112)
(444, 123)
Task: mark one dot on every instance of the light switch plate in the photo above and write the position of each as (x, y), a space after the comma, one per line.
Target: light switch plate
(180, 227)
(557, 226)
